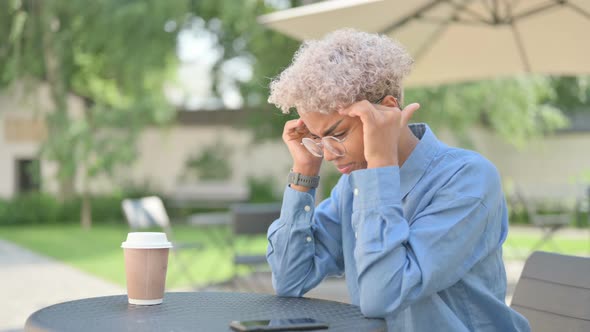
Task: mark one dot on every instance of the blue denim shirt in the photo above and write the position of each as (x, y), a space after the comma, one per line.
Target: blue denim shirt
(420, 245)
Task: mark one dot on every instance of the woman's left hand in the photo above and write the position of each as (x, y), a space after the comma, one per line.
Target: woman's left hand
(382, 127)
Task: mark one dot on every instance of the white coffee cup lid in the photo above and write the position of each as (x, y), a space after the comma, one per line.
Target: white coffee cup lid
(146, 240)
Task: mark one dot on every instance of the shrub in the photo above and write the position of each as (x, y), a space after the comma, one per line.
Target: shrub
(518, 216)
(105, 209)
(212, 163)
(30, 208)
(43, 208)
(582, 219)
(262, 190)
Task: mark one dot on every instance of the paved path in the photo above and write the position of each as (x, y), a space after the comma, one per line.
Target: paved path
(29, 282)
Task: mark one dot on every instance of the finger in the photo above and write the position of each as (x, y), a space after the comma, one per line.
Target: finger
(361, 109)
(301, 127)
(292, 125)
(385, 108)
(408, 112)
(294, 130)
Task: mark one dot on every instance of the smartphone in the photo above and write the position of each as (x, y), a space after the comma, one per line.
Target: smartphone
(287, 324)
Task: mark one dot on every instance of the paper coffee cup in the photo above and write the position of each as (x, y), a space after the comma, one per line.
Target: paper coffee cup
(146, 264)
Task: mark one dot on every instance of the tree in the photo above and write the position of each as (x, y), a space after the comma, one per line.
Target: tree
(518, 109)
(240, 35)
(113, 55)
(572, 93)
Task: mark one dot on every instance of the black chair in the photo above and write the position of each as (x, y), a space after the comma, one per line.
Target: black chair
(553, 292)
(251, 220)
(149, 212)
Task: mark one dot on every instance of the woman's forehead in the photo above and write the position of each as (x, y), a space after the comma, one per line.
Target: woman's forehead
(317, 123)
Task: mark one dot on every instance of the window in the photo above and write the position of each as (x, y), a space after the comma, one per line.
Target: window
(28, 175)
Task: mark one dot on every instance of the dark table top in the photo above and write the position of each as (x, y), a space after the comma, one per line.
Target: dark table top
(194, 311)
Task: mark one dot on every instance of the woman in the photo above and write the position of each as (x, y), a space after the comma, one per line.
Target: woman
(416, 226)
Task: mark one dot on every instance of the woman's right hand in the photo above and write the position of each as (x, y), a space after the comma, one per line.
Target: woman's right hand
(303, 161)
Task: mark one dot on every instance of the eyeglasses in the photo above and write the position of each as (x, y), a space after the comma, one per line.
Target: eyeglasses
(333, 144)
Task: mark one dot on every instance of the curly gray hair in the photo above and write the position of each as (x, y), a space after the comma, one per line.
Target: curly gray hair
(344, 67)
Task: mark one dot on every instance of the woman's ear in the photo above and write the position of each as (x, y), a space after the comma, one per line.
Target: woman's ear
(390, 101)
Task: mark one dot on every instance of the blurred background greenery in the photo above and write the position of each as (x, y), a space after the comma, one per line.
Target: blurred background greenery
(125, 65)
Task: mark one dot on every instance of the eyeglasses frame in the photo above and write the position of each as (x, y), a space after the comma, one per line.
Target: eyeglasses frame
(322, 145)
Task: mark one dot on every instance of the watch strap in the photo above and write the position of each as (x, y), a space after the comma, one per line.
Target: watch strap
(299, 179)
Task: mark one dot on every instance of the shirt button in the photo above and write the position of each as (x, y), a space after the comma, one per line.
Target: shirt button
(356, 191)
(307, 208)
(308, 239)
(356, 235)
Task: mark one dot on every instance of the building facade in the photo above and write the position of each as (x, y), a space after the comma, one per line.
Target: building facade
(556, 166)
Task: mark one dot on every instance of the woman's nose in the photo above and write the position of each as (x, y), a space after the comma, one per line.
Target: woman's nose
(328, 155)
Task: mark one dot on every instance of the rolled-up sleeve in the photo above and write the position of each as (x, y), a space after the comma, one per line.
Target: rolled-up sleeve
(305, 243)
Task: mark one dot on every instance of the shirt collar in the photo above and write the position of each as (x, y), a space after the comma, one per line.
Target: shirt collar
(417, 163)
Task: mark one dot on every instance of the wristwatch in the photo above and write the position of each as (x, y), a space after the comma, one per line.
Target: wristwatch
(299, 179)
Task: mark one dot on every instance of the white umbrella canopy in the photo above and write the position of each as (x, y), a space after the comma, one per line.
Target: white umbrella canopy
(460, 40)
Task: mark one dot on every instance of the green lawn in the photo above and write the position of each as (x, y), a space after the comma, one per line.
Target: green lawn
(98, 251)
(520, 241)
